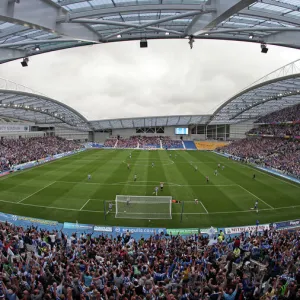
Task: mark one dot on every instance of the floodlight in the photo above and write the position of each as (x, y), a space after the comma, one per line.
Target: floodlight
(37, 48)
(119, 36)
(25, 61)
(167, 33)
(143, 44)
(191, 41)
(251, 36)
(264, 48)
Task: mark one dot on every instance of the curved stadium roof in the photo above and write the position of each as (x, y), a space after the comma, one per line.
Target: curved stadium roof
(275, 91)
(61, 24)
(39, 109)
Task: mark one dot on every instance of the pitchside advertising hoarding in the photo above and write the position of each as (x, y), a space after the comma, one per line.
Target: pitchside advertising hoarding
(287, 224)
(139, 230)
(250, 228)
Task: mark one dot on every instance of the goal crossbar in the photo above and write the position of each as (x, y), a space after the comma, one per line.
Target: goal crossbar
(143, 207)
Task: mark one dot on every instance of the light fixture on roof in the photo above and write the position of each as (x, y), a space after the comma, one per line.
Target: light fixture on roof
(206, 34)
(167, 33)
(143, 43)
(37, 48)
(264, 48)
(119, 36)
(25, 61)
(251, 36)
(191, 41)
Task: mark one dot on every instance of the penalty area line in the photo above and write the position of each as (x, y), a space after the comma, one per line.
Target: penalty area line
(203, 207)
(52, 207)
(255, 196)
(36, 192)
(85, 204)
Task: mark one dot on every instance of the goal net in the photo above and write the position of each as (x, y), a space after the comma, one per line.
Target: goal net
(143, 207)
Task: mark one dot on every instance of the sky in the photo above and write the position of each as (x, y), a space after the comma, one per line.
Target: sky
(120, 80)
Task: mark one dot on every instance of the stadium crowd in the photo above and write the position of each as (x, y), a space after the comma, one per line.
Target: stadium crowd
(169, 143)
(278, 153)
(110, 143)
(149, 141)
(288, 114)
(144, 142)
(38, 264)
(22, 150)
(277, 130)
(131, 142)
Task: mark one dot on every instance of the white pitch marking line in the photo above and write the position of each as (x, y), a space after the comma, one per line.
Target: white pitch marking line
(203, 207)
(32, 168)
(100, 211)
(85, 204)
(51, 207)
(253, 168)
(36, 192)
(255, 196)
(137, 183)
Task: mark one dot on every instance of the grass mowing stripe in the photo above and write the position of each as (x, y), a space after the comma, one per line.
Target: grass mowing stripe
(256, 196)
(253, 168)
(36, 192)
(222, 198)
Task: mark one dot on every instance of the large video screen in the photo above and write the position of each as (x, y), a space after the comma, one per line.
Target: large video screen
(181, 131)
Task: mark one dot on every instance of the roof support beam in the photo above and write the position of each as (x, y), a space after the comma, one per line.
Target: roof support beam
(275, 97)
(224, 10)
(280, 4)
(11, 54)
(266, 16)
(42, 15)
(122, 24)
(284, 37)
(132, 9)
(178, 16)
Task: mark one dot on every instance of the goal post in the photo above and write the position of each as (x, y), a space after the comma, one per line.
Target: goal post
(143, 207)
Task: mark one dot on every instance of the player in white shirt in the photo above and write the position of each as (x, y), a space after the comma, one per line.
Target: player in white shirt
(135, 177)
(216, 172)
(161, 186)
(223, 167)
(130, 155)
(89, 177)
(128, 201)
(155, 190)
(219, 165)
(196, 201)
(196, 168)
(256, 206)
(110, 206)
(152, 164)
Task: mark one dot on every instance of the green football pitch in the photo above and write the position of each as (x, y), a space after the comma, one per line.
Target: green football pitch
(61, 191)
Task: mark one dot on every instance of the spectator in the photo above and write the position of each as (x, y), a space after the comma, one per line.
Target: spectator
(22, 150)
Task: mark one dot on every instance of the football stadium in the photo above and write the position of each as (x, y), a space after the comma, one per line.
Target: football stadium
(184, 206)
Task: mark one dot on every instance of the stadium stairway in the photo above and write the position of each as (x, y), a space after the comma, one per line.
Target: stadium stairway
(190, 145)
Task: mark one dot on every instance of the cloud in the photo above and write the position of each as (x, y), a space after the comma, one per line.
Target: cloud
(121, 80)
